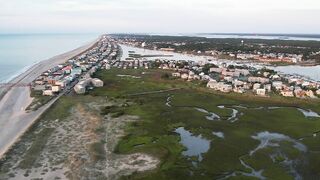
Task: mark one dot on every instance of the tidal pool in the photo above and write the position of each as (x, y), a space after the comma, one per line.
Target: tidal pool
(211, 116)
(219, 134)
(234, 114)
(168, 101)
(306, 113)
(196, 145)
(253, 173)
(155, 54)
(268, 139)
(309, 113)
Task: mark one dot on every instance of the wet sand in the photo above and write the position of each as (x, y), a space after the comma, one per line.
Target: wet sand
(14, 120)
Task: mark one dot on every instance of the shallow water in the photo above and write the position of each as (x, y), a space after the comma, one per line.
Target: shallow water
(254, 173)
(309, 113)
(169, 55)
(219, 134)
(168, 101)
(306, 113)
(196, 145)
(211, 116)
(312, 72)
(233, 117)
(268, 139)
(289, 164)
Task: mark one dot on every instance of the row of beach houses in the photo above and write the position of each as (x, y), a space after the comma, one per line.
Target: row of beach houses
(240, 80)
(77, 72)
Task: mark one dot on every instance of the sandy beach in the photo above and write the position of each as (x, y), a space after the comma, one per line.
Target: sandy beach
(14, 120)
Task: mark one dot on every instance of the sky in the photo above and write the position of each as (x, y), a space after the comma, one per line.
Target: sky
(160, 16)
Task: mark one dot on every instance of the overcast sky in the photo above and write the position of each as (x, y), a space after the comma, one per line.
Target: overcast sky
(159, 16)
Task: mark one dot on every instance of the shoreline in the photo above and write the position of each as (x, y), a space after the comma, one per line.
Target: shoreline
(29, 69)
(20, 71)
(14, 120)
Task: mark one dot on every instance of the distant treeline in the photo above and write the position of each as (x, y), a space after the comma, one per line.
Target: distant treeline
(234, 45)
(267, 34)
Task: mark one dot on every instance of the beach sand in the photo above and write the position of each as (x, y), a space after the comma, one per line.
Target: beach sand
(14, 120)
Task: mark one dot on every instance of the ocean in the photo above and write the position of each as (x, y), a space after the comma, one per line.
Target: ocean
(18, 52)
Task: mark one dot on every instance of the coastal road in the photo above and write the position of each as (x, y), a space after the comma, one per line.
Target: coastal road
(14, 120)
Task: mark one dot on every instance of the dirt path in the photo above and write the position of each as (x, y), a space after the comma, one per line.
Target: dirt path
(81, 147)
(154, 92)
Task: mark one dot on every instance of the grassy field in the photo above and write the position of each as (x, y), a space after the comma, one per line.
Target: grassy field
(161, 113)
(155, 133)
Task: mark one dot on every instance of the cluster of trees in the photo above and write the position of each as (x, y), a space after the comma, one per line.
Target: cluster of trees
(234, 45)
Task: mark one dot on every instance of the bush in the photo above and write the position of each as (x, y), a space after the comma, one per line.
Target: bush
(165, 76)
(117, 114)
(108, 109)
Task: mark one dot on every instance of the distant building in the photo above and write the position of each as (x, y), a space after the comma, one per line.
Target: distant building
(81, 87)
(212, 84)
(56, 89)
(261, 92)
(256, 86)
(237, 83)
(243, 72)
(228, 78)
(299, 93)
(287, 93)
(310, 94)
(268, 87)
(167, 49)
(39, 87)
(277, 85)
(258, 80)
(185, 76)
(108, 66)
(97, 82)
(47, 93)
(176, 74)
(219, 86)
(216, 70)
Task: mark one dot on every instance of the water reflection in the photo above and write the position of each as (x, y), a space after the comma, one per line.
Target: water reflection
(268, 139)
(196, 145)
(309, 113)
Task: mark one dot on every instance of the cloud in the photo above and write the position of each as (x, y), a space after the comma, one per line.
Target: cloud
(160, 16)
